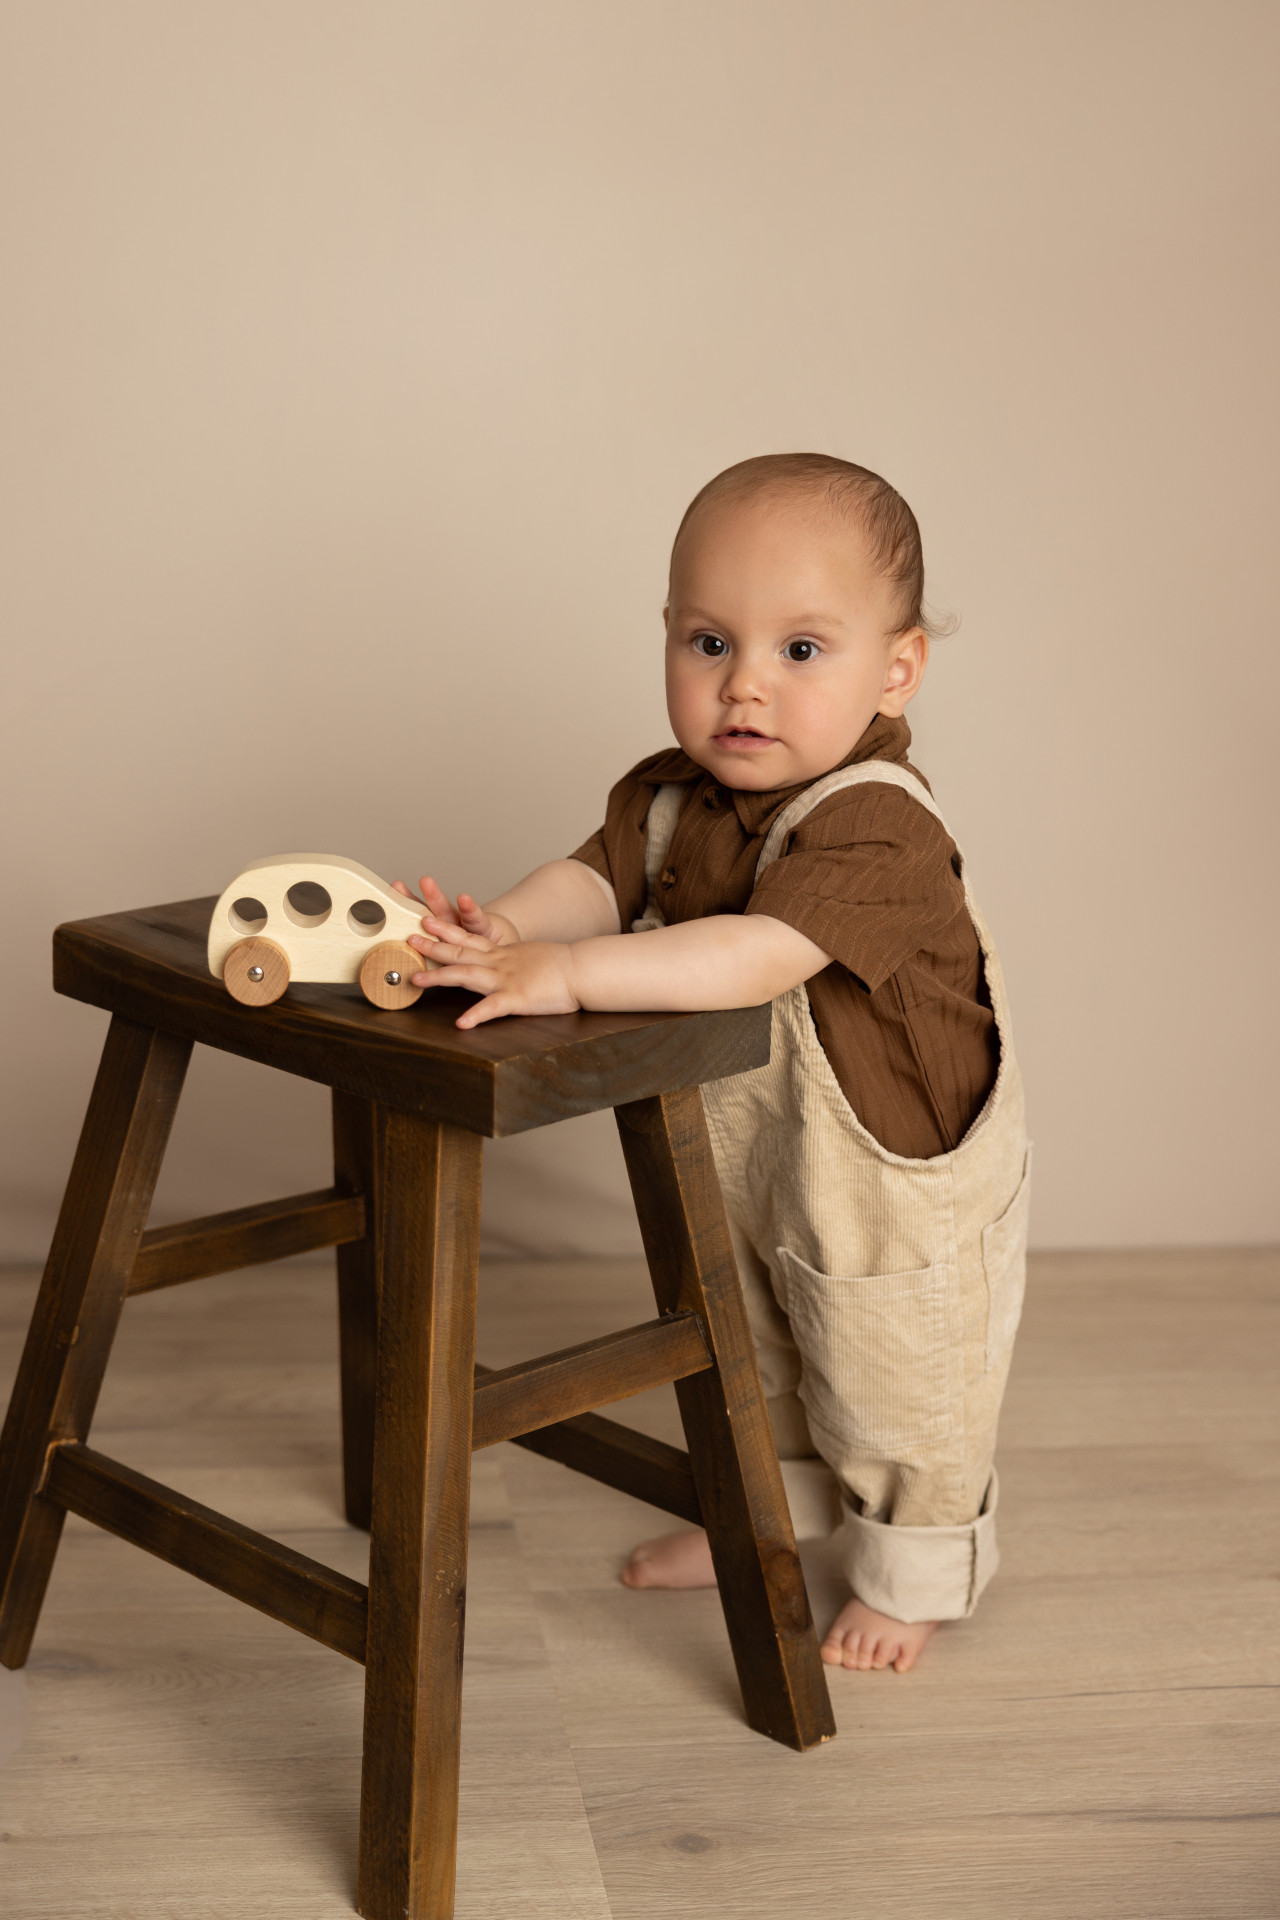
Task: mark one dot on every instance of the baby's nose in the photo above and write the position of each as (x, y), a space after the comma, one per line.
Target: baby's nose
(742, 683)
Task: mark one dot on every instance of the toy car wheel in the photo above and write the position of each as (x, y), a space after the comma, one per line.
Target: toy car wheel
(385, 973)
(256, 972)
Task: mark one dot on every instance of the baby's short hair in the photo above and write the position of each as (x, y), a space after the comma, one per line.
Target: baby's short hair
(880, 511)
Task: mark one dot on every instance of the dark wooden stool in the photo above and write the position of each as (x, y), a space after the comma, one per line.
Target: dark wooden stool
(413, 1100)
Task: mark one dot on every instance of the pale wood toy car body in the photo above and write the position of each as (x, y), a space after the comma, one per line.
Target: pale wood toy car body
(314, 917)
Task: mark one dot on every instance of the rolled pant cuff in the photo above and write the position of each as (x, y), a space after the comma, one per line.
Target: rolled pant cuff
(921, 1573)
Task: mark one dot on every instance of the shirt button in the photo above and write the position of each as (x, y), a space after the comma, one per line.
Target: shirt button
(668, 876)
(711, 799)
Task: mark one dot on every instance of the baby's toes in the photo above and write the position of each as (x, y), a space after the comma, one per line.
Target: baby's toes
(886, 1651)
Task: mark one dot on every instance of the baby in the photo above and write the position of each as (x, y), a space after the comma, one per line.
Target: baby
(875, 1171)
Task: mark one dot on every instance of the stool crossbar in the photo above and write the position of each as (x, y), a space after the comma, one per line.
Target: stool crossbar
(413, 1101)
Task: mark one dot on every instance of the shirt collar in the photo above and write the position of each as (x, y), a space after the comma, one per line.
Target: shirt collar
(884, 739)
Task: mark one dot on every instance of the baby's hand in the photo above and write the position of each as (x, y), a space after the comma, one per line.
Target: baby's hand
(468, 913)
(529, 976)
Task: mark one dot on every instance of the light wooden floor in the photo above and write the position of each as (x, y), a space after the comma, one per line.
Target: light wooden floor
(1101, 1740)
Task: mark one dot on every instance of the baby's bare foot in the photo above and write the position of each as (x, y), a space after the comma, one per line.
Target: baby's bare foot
(673, 1560)
(863, 1638)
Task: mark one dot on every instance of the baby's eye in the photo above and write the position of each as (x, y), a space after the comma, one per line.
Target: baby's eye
(710, 645)
(800, 649)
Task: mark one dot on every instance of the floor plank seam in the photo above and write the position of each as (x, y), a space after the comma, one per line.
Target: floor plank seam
(553, 1672)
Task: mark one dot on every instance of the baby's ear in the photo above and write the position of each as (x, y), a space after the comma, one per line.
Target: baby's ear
(908, 658)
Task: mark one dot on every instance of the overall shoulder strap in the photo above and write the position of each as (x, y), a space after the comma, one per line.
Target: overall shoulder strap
(888, 773)
(885, 773)
(664, 811)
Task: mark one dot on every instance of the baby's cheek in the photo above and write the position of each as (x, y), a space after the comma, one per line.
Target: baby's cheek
(834, 710)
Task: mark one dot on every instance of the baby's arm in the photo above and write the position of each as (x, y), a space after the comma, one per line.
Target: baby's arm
(726, 960)
(565, 900)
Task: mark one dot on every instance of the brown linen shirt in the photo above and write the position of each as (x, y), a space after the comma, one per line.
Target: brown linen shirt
(902, 1012)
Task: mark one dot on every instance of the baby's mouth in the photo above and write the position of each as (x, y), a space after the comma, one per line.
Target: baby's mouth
(744, 739)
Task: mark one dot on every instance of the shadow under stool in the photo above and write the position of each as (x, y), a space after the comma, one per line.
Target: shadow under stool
(413, 1101)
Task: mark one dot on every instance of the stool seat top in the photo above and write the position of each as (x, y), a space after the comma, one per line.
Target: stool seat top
(150, 966)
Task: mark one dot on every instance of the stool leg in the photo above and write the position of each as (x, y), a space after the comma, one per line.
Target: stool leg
(427, 1209)
(726, 1423)
(355, 1158)
(78, 1307)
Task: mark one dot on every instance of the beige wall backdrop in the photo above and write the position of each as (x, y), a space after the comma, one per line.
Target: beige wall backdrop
(360, 358)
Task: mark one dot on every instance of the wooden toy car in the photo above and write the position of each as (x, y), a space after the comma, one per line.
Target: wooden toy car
(314, 917)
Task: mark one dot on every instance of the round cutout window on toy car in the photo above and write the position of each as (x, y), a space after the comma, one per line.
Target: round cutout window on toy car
(308, 904)
(366, 917)
(248, 915)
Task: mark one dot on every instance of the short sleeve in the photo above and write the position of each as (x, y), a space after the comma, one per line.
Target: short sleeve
(616, 852)
(870, 876)
(593, 854)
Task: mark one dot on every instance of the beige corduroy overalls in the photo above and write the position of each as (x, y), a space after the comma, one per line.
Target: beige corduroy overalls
(884, 1293)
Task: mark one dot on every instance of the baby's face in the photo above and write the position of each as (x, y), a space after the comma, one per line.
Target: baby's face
(778, 647)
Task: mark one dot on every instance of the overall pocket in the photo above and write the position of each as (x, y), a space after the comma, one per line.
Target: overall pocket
(876, 1354)
(1004, 1261)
